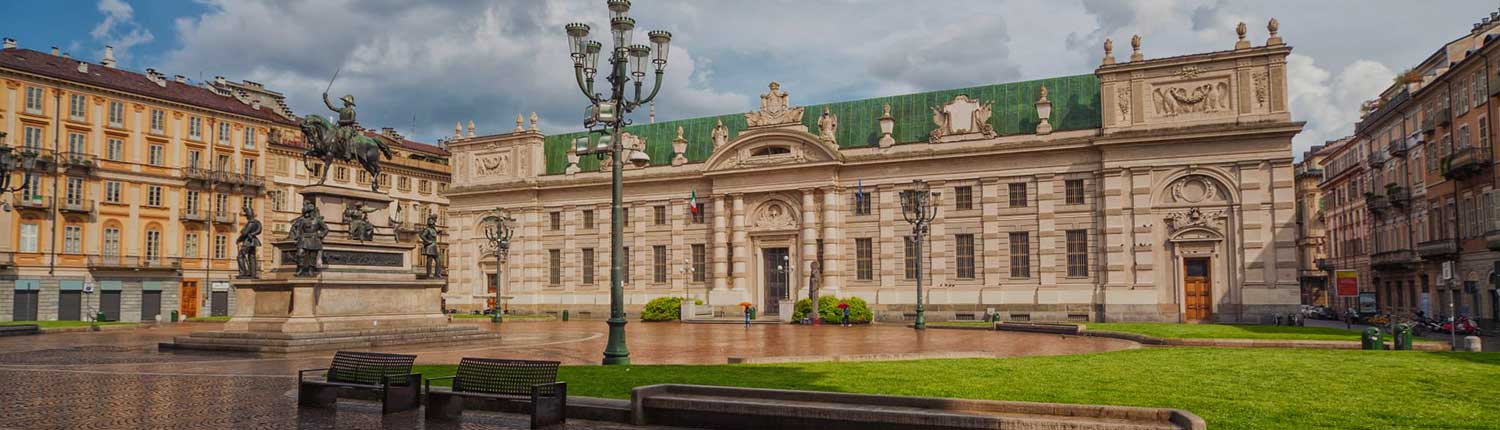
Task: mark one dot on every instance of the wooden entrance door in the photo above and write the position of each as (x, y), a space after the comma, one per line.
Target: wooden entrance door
(187, 299)
(1198, 293)
(493, 281)
(776, 273)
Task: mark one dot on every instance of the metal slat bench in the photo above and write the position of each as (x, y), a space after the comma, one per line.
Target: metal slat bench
(386, 374)
(532, 383)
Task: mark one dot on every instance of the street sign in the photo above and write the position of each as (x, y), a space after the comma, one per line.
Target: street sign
(88, 287)
(1447, 270)
(1367, 302)
(1347, 282)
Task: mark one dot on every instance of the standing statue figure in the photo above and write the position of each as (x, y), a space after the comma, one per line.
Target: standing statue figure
(358, 219)
(346, 131)
(429, 238)
(828, 126)
(249, 242)
(308, 231)
(720, 134)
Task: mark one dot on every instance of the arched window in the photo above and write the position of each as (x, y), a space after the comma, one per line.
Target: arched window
(770, 150)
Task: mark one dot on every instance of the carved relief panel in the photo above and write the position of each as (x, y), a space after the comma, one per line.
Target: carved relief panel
(1191, 99)
(492, 164)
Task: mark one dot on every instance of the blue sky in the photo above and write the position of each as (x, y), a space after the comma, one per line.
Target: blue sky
(420, 66)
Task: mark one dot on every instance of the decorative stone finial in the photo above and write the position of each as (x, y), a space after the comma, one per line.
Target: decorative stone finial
(1275, 39)
(1242, 43)
(458, 129)
(1043, 113)
(471, 128)
(887, 110)
(1135, 48)
(519, 121)
(533, 121)
(679, 148)
(1109, 52)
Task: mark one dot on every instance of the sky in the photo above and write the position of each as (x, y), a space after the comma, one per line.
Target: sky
(421, 66)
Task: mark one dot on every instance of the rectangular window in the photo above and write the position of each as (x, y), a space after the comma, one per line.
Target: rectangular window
(1020, 254)
(660, 213)
(965, 245)
(74, 191)
(1484, 132)
(624, 265)
(963, 198)
(112, 242)
(588, 266)
(192, 201)
(77, 106)
(1463, 137)
(73, 239)
(33, 138)
(556, 221)
(190, 245)
(659, 263)
(403, 183)
(33, 100)
(78, 143)
(29, 237)
(157, 155)
(224, 133)
(116, 114)
(911, 257)
(249, 137)
(158, 120)
(220, 242)
(195, 158)
(554, 267)
(625, 217)
(700, 262)
(115, 150)
(697, 210)
(588, 219)
(1078, 253)
(249, 165)
(862, 203)
(153, 196)
(1073, 192)
(153, 245)
(864, 259)
(1018, 195)
(195, 127)
(112, 192)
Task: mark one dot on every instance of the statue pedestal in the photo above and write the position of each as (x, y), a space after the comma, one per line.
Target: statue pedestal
(367, 294)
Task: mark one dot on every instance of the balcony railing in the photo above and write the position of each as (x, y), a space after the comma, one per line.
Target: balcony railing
(77, 161)
(1444, 116)
(201, 175)
(1398, 195)
(34, 202)
(1323, 264)
(7, 259)
(1428, 125)
(193, 215)
(225, 217)
(1393, 259)
(1377, 203)
(1437, 249)
(1466, 162)
(132, 262)
(1378, 157)
(1399, 147)
(76, 205)
(36, 159)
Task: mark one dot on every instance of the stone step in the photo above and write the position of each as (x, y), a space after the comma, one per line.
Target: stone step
(329, 334)
(246, 344)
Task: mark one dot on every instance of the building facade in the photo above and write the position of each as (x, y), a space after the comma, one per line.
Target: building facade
(1312, 233)
(137, 186)
(1154, 190)
(1420, 215)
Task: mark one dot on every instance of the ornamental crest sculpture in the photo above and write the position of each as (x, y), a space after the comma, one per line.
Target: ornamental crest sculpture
(774, 109)
(962, 116)
(1177, 221)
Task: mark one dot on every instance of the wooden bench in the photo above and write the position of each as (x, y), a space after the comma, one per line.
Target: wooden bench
(388, 375)
(532, 384)
(20, 329)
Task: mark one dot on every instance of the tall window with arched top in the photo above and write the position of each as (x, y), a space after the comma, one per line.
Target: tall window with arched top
(153, 244)
(111, 241)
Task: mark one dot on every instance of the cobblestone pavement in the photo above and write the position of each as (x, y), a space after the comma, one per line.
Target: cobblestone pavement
(118, 379)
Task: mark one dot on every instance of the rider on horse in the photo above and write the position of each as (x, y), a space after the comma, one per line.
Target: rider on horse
(346, 130)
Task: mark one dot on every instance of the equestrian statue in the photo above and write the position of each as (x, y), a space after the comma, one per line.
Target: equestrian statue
(331, 143)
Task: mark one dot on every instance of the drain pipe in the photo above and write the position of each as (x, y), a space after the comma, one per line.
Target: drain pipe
(56, 149)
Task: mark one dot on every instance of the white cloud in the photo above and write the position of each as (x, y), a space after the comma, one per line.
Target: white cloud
(1330, 103)
(119, 28)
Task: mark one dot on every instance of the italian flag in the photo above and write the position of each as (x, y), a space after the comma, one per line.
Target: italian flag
(693, 202)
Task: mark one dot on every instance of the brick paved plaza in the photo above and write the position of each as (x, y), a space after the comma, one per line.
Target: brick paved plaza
(117, 379)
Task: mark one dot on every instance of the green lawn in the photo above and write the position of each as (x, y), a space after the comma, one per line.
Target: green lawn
(1209, 331)
(62, 324)
(1231, 388)
(213, 319)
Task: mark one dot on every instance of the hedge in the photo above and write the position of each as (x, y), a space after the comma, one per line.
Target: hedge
(663, 309)
(828, 308)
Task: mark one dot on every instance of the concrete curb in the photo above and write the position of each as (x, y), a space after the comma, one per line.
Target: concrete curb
(1082, 330)
(900, 356)
(46, 330)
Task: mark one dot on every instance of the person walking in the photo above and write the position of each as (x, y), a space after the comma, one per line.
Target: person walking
(845, 307)
(747, 316)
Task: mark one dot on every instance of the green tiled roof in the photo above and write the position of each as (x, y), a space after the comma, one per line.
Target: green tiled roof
(1075, 106)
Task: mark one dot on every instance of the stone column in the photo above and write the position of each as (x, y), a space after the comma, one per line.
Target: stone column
(833, 246)
(720, 273)
(1046, 205)
(809, 240)
(741, 244)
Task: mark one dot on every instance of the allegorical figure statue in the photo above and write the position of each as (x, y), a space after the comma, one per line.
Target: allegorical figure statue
(358, 219)
(308, 231)
(249, 242)
(429, 238)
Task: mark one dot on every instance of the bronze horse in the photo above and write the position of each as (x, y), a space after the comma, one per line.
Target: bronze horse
(323, 144)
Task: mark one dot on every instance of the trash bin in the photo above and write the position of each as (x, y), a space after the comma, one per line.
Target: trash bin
(565, 314)
(752, 313)
(101, 317)
(1403, 337)
(1372, 340)
(174, 316)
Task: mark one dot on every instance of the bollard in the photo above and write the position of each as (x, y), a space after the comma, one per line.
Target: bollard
(1472, 344)
(1371, 340)
(565, 314)
(1403, 337)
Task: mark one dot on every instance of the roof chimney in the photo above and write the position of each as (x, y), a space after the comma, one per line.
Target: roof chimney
(10, 43)
(54, 50)
(83, 67)
(109, 57)
(67, 55)
(179, 79)
(219, 80)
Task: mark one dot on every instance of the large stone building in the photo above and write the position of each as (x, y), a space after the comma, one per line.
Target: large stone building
(1416, 190)
(1157, 190)
(139, 182)
(1312, 233)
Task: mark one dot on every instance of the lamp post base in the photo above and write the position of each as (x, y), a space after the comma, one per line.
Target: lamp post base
(615, 352)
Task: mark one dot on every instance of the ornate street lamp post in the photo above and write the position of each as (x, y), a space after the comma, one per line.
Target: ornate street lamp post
(919, 206)
(499, 234)
(9, 162)
(606, 116)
